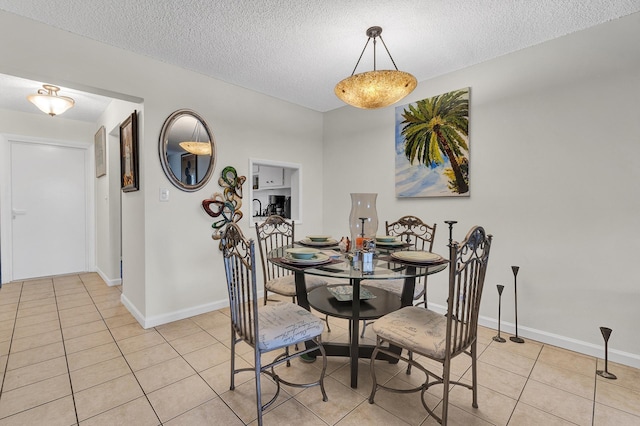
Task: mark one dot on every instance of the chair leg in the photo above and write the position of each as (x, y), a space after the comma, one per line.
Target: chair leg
(326, 320)
(409, 363)
(445, 391)
(364, 328)
(474, 374)
(258, 389)
(232, 386)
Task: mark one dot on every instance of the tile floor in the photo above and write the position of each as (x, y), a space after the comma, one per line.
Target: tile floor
(70, 354)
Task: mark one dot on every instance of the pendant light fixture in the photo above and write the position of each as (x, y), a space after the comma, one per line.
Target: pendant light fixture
(49, 102)
(377, 88)
(194, 146)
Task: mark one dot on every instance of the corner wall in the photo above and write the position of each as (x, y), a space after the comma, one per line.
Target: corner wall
(553, 176)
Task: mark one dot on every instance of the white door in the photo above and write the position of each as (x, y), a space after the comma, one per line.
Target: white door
(48, 202)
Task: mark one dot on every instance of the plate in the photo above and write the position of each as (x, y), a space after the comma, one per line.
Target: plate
(317, 259)
(319, 238)
(344, 293)
(386, 239)
(301, 253)
(389, 243)
(328, 243)
(417, 256)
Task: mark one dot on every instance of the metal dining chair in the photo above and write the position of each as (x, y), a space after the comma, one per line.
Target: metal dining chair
(273, 233)
(440, 337)
(276, 327)
(419, 236)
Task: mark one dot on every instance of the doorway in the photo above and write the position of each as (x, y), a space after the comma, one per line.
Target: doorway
(48, 211)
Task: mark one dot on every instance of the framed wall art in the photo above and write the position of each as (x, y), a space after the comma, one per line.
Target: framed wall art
(432, 146)
(129, 153)
(100, 149)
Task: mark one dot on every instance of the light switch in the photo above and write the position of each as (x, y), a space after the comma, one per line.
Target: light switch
(164, 194)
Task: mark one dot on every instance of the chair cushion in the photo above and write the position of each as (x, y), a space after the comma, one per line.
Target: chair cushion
(416, 329)
(394, 286)
(286, 285)
(285, 324)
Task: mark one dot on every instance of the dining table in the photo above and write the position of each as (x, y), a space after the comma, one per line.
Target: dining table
(341, 267)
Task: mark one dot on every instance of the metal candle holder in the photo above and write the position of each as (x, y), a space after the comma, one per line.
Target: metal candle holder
(498, 338)
(515, 269)
(450, 223)
(606, 333)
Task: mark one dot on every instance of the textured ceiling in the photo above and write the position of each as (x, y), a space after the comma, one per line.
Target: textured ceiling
(297, 50)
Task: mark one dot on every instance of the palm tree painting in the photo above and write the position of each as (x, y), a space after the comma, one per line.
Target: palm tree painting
(432, 146)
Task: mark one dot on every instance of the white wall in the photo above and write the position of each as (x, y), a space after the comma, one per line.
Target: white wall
(554, 135)
(171, 267)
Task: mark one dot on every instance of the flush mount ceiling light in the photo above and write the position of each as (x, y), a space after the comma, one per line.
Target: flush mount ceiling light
(194, 146)
(48, 101)
(377, 88)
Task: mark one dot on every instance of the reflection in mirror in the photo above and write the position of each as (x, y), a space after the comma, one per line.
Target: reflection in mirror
(187, 150)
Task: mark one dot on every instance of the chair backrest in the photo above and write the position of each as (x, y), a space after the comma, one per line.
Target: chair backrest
(414, 231)
(467, 270)
(239, 265)
(274, 232)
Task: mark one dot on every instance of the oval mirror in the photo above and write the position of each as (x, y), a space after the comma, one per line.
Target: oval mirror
(187, 150)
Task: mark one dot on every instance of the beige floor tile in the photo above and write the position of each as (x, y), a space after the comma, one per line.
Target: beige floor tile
(41, 309)
(180, 397)
(558, 402)
(137, 412)
(78, 360)
(499, 380)
(129, 330)
(242, 399)
(151, 356)
(112, 312)
(627, 377)
(509, 361)
(78, 311)
(370, 415)
(7, 315)
(219, 376)
(526, 415)
(120, 320)
(193, 342)
(567, 380)
(36, 295)
(178, 329)
(456, 417)
(83, 329)
(37, 319)
(33, 395)
(343, 375)
(406, 406)
(164, 374)
(529, 348)
(607, 416)
(289, 413)
(202, 415)
(4, 347)
(79, 319)
(98, 399)
(211, 320)
(34, 373)
(60, 412)
(563, 358)
(99, 373)
(35, 355)
(72, 302)
(88, 341)
(141, 341)
(493, 407)
(208, 357)
(612, 395)
(32, 330)
(341, 400)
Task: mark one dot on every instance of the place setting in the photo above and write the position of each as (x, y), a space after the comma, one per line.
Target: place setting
(389, 241)
(418, 257)
(318, 241)
(304, 256)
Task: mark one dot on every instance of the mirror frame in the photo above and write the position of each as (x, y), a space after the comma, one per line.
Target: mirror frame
(162, 150)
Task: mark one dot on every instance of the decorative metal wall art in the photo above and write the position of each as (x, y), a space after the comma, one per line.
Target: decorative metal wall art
(225, 205)
(432, 146)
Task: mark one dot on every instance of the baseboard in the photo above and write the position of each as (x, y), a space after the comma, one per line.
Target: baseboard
(586, 348)
(109, 281)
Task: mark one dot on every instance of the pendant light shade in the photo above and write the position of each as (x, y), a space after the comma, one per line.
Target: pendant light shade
(377, 88)
(195, 145)
(48, 101)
